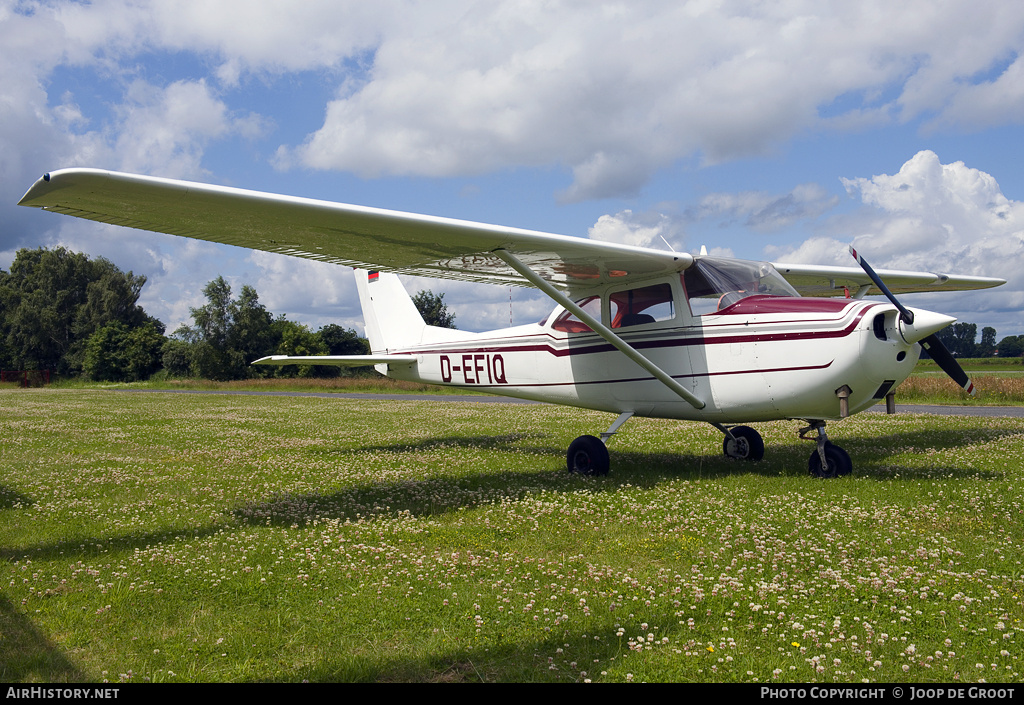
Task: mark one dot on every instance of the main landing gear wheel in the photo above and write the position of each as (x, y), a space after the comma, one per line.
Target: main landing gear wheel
(588, 456)
(837, 462)
(746, 444)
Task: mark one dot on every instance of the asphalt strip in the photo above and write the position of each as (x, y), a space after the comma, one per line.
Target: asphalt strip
(470, 398)
(1016, 411)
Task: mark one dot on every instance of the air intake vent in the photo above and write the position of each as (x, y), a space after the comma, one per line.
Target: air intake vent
(879, 326)
(884, 389)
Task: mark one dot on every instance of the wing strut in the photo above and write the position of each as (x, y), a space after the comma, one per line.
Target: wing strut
(599, 328)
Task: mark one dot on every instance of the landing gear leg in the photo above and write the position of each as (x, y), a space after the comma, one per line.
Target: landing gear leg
(828, 460)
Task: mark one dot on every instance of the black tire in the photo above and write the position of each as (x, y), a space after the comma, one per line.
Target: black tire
(588, 456)
(838, 460)
(747, 446)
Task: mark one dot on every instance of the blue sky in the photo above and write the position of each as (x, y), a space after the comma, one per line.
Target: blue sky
(781, 131)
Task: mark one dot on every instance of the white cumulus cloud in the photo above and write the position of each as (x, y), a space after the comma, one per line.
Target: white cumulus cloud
(629, 228)
(929, 216)
(614, 92)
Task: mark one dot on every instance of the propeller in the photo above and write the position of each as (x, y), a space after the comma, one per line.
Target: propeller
(922, 329)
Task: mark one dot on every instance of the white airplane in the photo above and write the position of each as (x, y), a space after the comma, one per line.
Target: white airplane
(634, 331)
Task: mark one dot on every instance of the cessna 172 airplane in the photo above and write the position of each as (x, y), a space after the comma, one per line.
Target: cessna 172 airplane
(634, 331)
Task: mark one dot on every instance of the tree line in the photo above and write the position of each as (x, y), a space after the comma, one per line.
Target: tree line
(961, 340)
(75, 316)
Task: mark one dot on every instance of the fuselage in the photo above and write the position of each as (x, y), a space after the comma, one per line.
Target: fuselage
(757, 359)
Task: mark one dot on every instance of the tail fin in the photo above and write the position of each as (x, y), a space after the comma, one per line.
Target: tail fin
(391, 318)
(392, 321)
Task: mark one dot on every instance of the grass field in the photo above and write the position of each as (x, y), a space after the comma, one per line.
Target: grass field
(991, 390)
(998, 382)
(978, 364)
(152, 537)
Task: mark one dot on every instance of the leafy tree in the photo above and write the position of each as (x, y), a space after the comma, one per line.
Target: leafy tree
(6, 359)
(343, 341)
(987, 346)
(177, 357)
(1011, 346)
(118, 353)
(227, 335)
(213, 321)
(959, 338)
(297, 339)
(52, 301)
(964, 335)
(433, 309)
(252, 333)
(211, 362)
(111, 295)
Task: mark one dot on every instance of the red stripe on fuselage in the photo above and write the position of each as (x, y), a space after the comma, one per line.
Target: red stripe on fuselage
(753, 305)
(676, 339)
(650, 379)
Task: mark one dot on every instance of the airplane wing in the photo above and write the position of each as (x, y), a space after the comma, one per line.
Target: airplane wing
(356, 236)
(814, 280)
(406, 243)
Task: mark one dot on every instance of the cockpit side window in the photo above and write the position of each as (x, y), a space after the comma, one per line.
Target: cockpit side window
(713, 284)
(648, 304)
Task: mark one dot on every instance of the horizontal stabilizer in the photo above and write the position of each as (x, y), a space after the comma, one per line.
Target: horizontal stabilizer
(337, 360)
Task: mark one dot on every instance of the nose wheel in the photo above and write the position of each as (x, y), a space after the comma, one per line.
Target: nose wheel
(828, 460)
(836, 464)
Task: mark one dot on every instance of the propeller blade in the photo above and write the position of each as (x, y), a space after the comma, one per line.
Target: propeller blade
(938, 352)
(905, 315)
(947, 362)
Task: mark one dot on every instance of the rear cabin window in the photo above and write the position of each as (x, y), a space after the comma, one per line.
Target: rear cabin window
(569, 323)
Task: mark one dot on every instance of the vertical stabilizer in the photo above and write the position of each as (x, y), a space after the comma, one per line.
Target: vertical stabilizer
(392, 321)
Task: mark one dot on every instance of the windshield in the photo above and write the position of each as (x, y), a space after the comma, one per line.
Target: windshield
(713, 284)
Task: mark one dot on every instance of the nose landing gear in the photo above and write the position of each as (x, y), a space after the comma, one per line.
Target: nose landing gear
(828, 460)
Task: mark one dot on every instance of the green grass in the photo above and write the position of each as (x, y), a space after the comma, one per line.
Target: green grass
(978, 364)
(234, 538)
